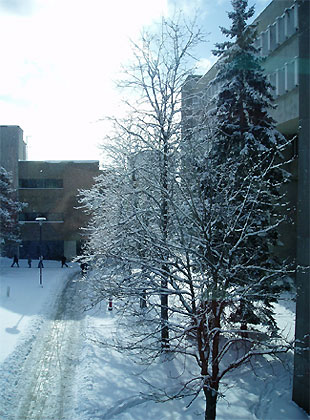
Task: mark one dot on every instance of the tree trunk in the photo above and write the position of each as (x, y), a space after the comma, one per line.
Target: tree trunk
(165, 269)
(143, 300)
(211, 393)
(211, 400)
(164, 316)
(244, 328)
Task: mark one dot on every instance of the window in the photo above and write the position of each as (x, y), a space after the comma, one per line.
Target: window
(53, 183)
(264, 43)
(280, 82)
(296, 72)
(23, 217)
(273, 81)
(272, 38)
(295, 146)
(295, 9)
(289, 76)
(31, 216)
(40, 183)
(290, 22)
(257, 43)
(280, 35)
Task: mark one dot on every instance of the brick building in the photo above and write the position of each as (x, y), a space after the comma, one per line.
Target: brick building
(50, 189)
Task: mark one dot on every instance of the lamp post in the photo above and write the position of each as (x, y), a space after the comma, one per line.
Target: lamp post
(40, 220)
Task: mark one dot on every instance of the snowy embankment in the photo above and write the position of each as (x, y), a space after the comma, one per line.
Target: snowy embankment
(23, 303)
(111, 385)
(53, 365)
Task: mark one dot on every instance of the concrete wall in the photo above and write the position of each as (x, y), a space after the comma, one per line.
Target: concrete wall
(70, 249)
(271, 13)
(301, 385)
(12, 148)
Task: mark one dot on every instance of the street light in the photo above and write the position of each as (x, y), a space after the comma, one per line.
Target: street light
(40, 220)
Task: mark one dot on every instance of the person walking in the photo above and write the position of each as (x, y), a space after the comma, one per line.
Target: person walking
(40, 265)
(15, 261)
(83, 266)
(63, 261)
(29, 262)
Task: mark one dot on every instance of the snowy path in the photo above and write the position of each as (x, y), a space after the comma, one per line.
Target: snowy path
(45, 392)
(60, 369)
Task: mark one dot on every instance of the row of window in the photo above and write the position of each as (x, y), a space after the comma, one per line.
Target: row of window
(285, 78)
(31, 216)
(40, 183)
(283, 28)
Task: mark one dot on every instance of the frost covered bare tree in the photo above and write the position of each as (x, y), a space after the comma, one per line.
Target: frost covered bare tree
(151, 133)
(192, 214)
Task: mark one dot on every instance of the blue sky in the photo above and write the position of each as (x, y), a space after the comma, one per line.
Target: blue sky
(59, 59)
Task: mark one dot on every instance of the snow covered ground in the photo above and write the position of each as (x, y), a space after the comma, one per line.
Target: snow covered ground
(52, 366)
(34, 339)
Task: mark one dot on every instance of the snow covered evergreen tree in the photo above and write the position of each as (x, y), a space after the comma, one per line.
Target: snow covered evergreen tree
(239, 207)
(247, 144)
(9, 209)
(244, 128)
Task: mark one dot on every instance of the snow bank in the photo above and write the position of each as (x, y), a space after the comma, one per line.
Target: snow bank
(110, 385)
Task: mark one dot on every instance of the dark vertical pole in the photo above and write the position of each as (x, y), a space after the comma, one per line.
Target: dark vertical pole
(40, 262)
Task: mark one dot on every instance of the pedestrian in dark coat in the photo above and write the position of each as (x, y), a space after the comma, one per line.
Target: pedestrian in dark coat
(29, 262)
(83, 266)
(15, 261)
(63, 261)
(40, 262)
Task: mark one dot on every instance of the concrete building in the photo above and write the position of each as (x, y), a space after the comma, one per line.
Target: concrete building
(50, 188)
(283, 39)
(12, 149)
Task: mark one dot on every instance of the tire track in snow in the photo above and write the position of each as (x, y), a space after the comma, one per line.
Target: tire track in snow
(122, 406)
(49, 369)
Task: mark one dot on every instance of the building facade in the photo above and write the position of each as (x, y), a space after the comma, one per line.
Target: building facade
(50, 189)
(283, 41)
(12, 149)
